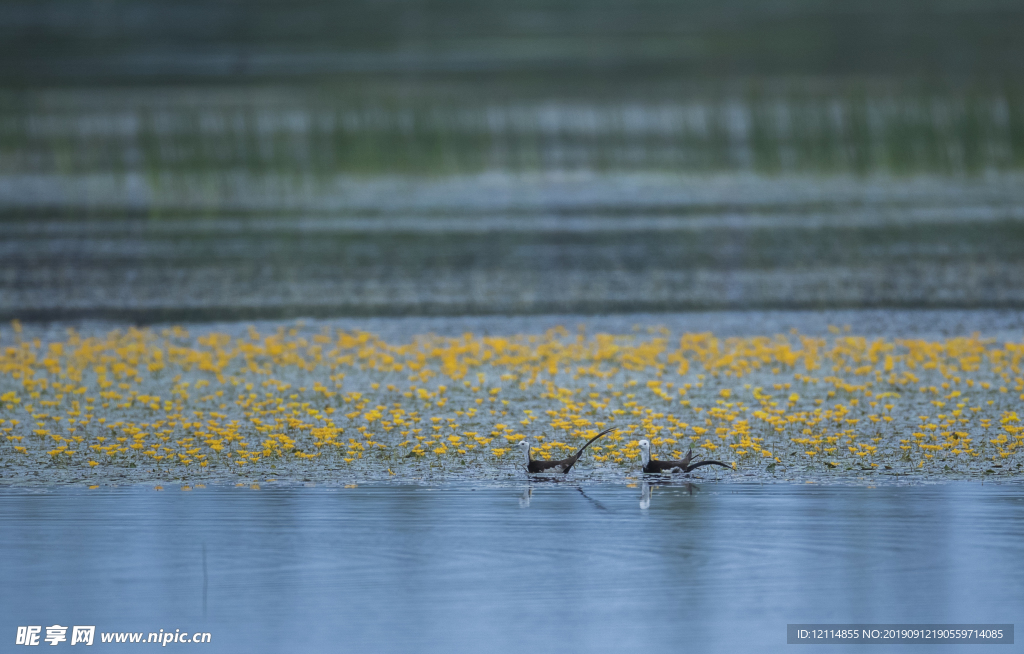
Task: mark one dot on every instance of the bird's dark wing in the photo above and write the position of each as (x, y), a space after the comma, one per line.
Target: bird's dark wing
(669, 466)
(661, 466)
(546, 466)
(686, 459)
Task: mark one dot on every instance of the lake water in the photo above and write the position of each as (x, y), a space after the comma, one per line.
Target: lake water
(529, 567)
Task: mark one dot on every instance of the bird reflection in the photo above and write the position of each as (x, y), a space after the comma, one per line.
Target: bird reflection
(645, 496)
(524, 499)
(591, 500)
(527, 496)
(647, 489)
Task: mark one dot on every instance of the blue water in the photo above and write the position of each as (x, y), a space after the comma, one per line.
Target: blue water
(552, 567)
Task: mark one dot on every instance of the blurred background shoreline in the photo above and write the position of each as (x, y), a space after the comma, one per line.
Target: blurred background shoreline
(165, 161)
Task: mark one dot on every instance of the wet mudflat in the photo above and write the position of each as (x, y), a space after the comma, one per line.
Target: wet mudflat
(508, 567)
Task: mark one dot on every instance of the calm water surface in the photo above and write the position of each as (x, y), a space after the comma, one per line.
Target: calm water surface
(545, 567)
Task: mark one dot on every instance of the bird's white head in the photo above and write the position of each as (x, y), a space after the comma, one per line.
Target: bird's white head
(524, 447)
(645, 451)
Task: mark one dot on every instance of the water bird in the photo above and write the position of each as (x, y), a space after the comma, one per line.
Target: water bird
(684, 465)
(564, 465)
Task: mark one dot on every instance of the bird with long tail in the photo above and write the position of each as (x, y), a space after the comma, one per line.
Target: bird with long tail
(564, 465)
(684, 465)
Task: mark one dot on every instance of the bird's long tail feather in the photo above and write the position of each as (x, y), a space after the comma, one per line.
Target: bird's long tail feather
(577, 455)
(706, 463)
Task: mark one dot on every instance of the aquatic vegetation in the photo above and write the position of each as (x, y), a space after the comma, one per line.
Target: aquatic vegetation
(210, 404)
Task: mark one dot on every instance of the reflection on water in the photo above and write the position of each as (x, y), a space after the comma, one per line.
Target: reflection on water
(647, 489)
(453, 569)
(524, 499)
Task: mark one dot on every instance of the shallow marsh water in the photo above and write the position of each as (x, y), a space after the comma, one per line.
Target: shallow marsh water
(540, 567)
